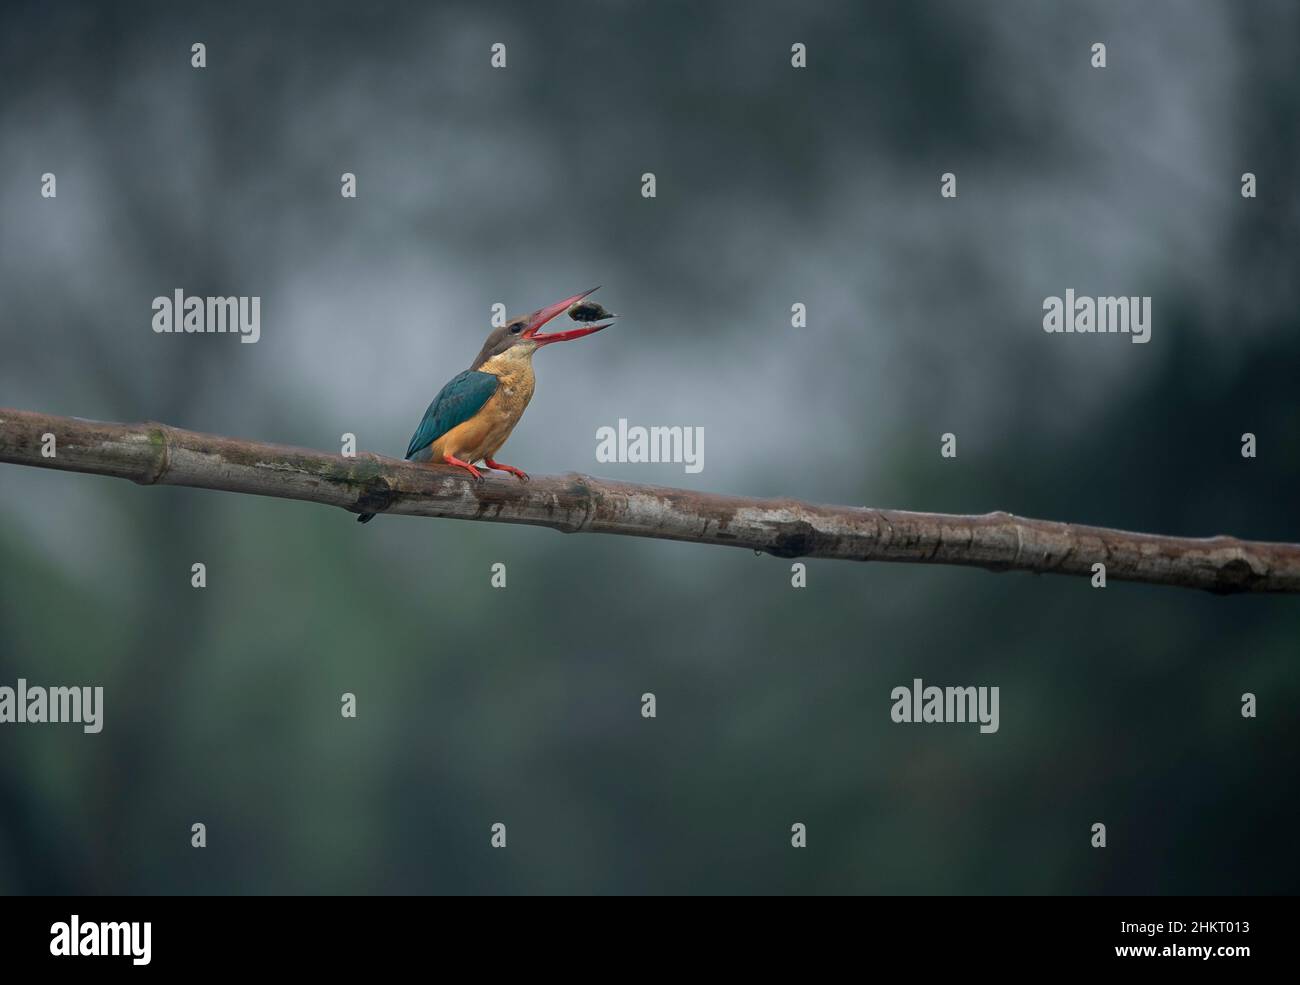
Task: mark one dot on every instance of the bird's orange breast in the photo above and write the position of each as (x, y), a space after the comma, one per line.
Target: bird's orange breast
(483, 434)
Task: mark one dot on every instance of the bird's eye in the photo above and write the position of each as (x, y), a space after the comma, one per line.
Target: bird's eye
(516, 329)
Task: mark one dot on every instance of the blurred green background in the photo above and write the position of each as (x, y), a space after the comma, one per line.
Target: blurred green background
(775, 185)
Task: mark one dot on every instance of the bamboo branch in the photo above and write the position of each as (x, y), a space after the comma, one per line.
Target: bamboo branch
(158, 454)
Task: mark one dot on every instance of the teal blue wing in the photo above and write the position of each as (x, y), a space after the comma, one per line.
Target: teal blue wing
(455, 403)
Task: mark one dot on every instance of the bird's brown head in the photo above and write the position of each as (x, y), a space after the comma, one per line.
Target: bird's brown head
(523, 335)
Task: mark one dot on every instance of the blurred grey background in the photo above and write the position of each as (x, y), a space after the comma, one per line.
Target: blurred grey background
(775, 185)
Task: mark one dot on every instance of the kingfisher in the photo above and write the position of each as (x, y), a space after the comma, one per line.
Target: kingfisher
(472, 416)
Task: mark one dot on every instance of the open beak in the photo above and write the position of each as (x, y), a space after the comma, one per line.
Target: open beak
(542, 315)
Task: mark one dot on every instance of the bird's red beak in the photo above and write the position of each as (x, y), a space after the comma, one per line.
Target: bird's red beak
(542, 315)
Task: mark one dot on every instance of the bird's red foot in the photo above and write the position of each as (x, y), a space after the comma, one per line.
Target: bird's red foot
(517, 473)
(453, 460)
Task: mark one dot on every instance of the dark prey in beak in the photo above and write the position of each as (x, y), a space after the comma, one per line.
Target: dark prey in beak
(589, 311)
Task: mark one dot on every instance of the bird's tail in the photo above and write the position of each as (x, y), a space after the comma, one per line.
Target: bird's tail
(365, 517)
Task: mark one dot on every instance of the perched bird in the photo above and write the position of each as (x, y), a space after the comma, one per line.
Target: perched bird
(472, 416)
